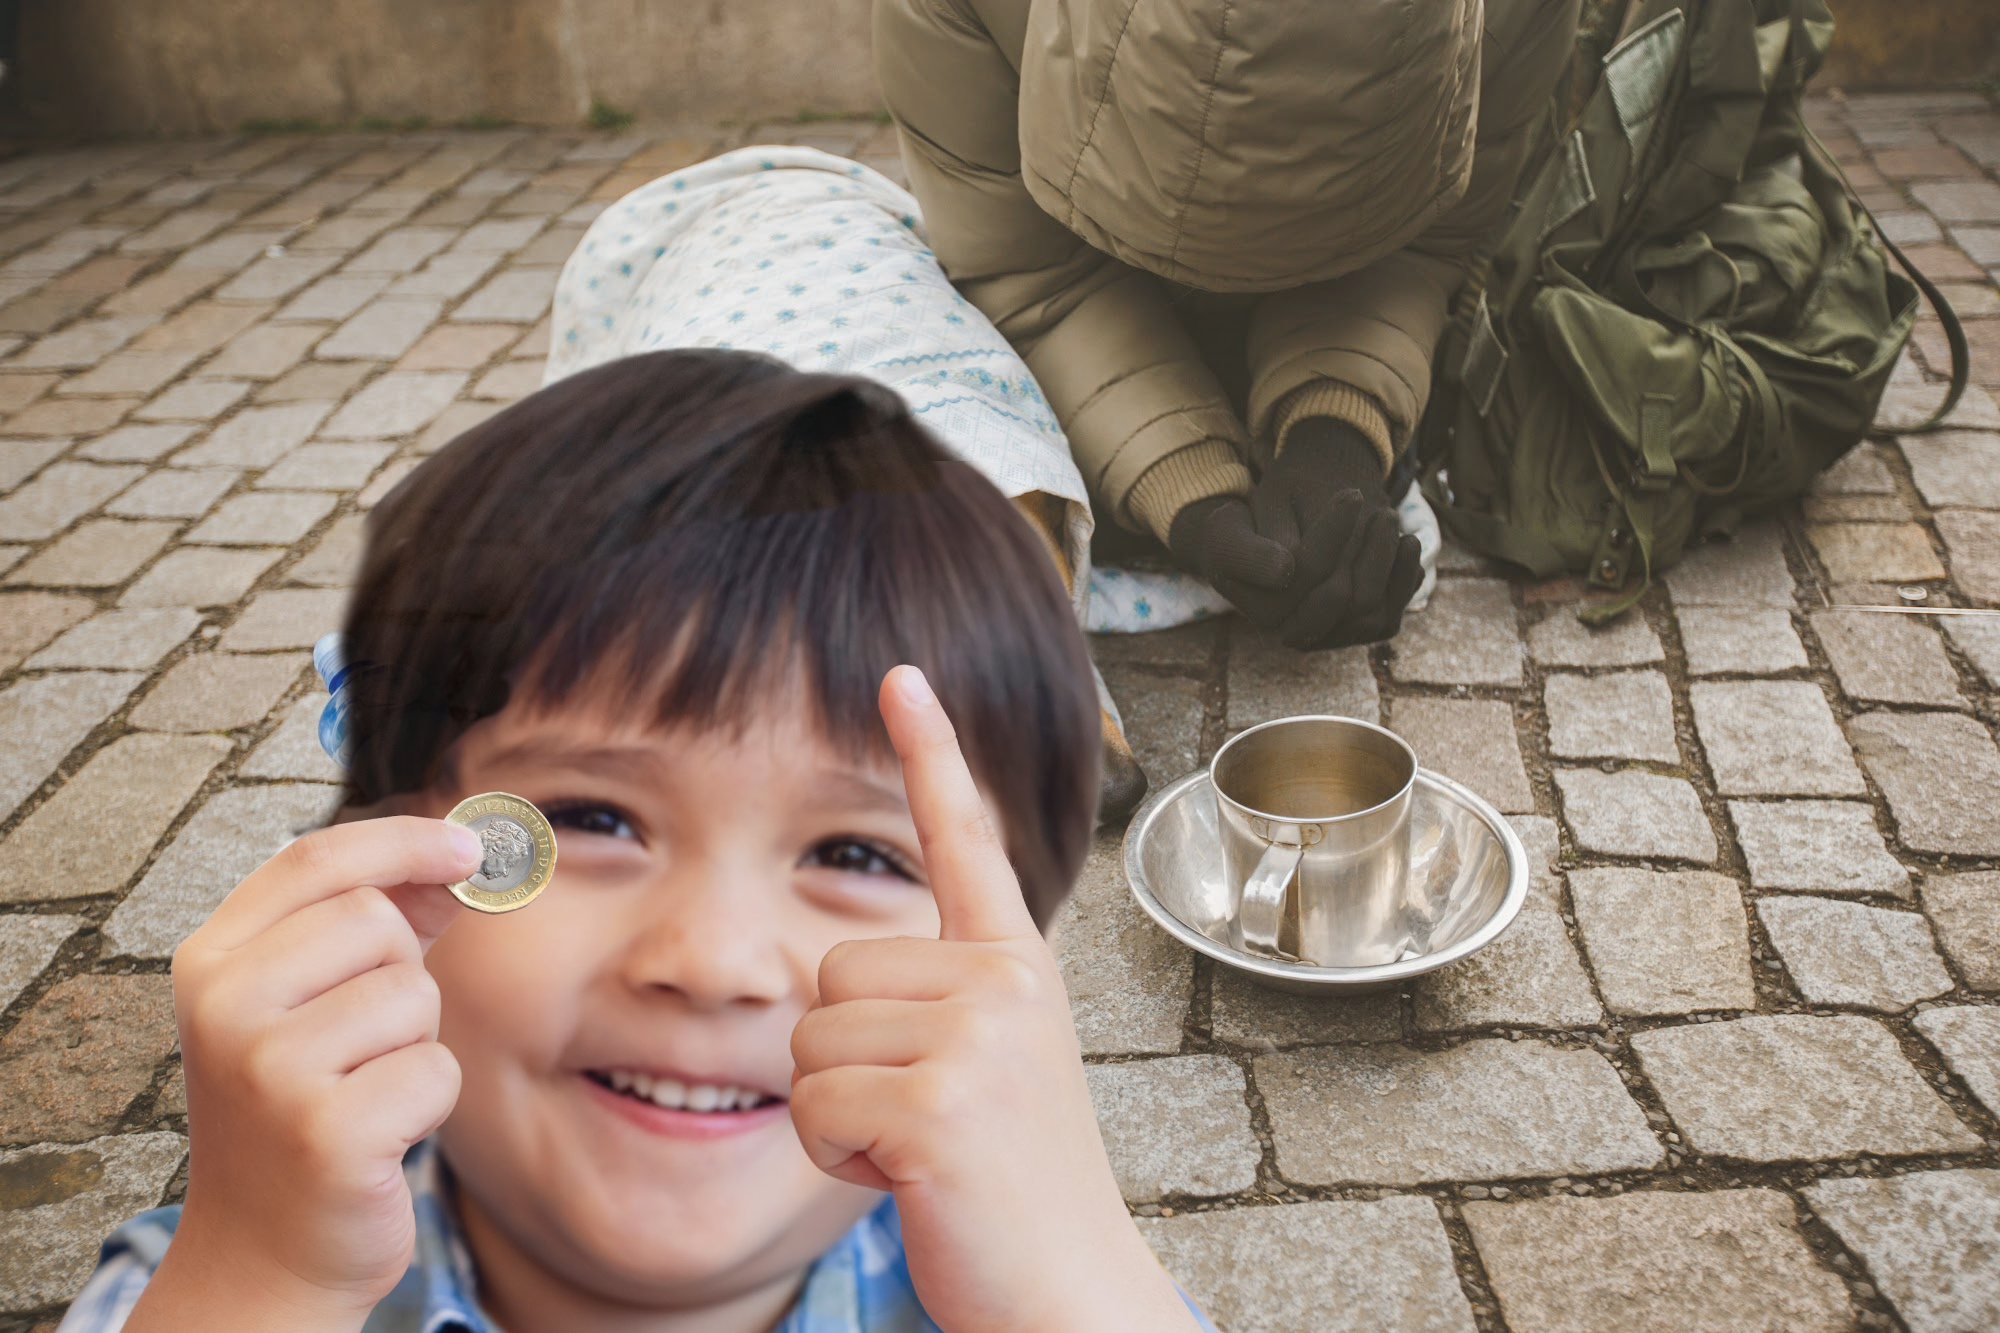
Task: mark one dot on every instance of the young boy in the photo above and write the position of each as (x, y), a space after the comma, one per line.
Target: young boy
(791, 956)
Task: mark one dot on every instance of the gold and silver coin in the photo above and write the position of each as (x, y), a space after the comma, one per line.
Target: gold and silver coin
(519, 852)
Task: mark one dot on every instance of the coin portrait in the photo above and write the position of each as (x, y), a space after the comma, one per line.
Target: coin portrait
(517, 852)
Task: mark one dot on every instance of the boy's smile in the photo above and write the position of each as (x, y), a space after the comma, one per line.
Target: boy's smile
(704, 1099)
(625, 1041)
(685, 1106)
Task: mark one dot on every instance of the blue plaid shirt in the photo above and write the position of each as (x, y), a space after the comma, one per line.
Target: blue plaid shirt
(861, 1285)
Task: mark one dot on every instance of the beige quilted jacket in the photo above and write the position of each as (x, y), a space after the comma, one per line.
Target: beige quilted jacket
(1204, 220)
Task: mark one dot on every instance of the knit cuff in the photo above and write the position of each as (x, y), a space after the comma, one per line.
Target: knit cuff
(1344, 402)
(1197, 472)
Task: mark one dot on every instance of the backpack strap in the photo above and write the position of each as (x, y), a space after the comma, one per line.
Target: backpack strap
(1954, 332)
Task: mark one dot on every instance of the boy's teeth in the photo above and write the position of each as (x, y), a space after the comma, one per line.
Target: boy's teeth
(676, 1095)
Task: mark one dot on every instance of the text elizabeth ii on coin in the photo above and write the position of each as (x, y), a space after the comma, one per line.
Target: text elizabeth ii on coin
(519, 852)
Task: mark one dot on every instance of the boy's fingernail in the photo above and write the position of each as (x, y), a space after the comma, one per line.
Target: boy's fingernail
(914, 687)
(465, 842)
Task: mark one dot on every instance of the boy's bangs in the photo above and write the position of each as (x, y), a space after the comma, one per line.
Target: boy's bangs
(690, 535)
(806, 608)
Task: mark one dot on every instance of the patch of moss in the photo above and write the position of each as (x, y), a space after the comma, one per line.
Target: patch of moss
(604, 116)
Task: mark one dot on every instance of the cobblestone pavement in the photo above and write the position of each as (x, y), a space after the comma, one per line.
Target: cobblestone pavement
(1736, 1066)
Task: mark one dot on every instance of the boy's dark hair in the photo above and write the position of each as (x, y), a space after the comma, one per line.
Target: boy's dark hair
(705, 528)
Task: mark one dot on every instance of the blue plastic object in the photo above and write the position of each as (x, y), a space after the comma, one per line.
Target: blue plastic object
(330, 660)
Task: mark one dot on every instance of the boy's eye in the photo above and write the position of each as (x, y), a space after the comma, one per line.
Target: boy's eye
(857, 857)
(585, 817)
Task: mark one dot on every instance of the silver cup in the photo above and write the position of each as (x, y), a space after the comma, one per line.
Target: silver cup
(1315, 825)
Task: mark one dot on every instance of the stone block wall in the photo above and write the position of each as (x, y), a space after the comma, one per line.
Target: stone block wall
(167, 67)
(1898, 44)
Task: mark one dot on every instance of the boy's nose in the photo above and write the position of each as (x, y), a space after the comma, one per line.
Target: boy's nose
(716, 942)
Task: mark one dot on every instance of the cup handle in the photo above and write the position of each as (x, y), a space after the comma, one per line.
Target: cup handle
(1263, 903)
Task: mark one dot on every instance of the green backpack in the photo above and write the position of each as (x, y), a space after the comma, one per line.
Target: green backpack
(1685, 318)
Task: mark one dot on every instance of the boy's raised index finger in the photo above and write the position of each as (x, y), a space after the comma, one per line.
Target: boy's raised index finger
(978, 895)
(379, 853)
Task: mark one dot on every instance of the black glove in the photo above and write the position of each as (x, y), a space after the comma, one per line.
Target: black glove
(1217, 539)
(1324, 496)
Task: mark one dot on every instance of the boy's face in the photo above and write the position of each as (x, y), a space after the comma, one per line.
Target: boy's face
(701, 877)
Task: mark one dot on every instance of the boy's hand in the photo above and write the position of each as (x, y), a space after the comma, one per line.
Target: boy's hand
(947, 1071)
(308, 1031)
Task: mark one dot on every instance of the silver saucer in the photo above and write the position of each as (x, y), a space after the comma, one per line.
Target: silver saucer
(1467, 859)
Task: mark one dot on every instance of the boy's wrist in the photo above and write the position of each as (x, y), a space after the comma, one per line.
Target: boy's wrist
(1116, 1286)
(205, 1287)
